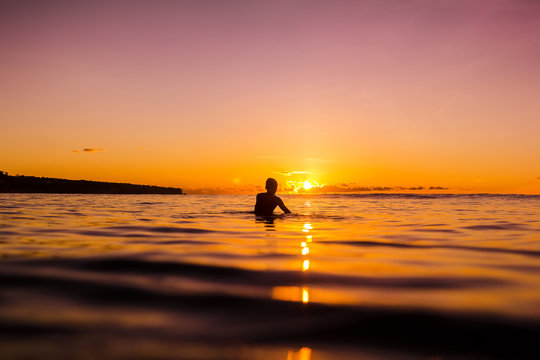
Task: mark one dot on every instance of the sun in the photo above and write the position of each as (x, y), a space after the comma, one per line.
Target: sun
(303, 186)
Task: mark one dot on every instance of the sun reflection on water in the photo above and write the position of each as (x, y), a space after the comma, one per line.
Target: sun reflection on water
(302, 354)
(305, 263)
(305, 295)
(304, 245)
(299, 293)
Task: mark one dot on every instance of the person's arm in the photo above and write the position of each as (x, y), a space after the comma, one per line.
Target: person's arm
(283, 207)
(257, 204)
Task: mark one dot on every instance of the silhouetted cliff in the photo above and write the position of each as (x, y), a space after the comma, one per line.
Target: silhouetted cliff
(32, 184)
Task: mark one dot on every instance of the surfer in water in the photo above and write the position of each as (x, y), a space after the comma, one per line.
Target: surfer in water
(267, 202)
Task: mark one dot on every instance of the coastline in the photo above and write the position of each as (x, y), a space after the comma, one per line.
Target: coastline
(43, 185)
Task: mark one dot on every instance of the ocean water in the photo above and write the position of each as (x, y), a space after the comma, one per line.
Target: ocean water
(372, 276)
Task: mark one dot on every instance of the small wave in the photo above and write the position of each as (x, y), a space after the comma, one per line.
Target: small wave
(124, 231)
(232, 212)
(498, 227)
(437, 230)
(89, 232)
(269, 278)
(285, 216)
(160, 229)
(532, 253)
(528, 269)
(10, 212)
(75, 213)
(106, 233)
(252, 320)
(223, 255)
(321, 216)
(172, 242)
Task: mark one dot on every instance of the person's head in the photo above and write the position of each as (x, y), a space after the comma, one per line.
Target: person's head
(271, 185)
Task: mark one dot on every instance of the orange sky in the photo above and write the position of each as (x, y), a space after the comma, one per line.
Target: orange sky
(222, 95)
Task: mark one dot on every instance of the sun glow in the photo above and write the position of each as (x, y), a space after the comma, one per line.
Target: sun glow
(303, 186)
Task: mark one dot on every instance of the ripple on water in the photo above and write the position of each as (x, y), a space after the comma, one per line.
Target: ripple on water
(160, 229)
(498, 227)
(524, 252)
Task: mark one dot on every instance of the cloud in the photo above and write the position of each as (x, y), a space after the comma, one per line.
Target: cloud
(290, 173)
(323, 189)
(538, 178)
(346, 188)
(88, 150)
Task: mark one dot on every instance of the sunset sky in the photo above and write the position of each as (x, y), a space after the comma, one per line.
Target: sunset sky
(223, 94)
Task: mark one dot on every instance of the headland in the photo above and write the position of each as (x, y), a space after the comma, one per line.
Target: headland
(33, 184)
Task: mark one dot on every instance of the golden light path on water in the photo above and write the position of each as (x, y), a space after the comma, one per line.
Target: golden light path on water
(299, 294)
(302, 354)
(305, 352)
(305, 263)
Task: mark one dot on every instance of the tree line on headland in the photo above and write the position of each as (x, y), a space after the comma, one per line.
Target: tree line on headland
(33, 184)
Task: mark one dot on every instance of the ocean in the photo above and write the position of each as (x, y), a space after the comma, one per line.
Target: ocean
(367, 276)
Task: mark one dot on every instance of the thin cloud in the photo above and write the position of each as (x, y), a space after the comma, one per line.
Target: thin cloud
(344, 188)
(290, 173)
(88, 150)
(324, 189)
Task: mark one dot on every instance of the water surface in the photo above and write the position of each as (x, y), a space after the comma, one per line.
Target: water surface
(372, 276)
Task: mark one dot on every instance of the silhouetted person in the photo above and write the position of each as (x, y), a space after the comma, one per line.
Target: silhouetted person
(267, 202)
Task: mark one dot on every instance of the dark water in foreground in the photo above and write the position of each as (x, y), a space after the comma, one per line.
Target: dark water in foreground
(199, 277)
